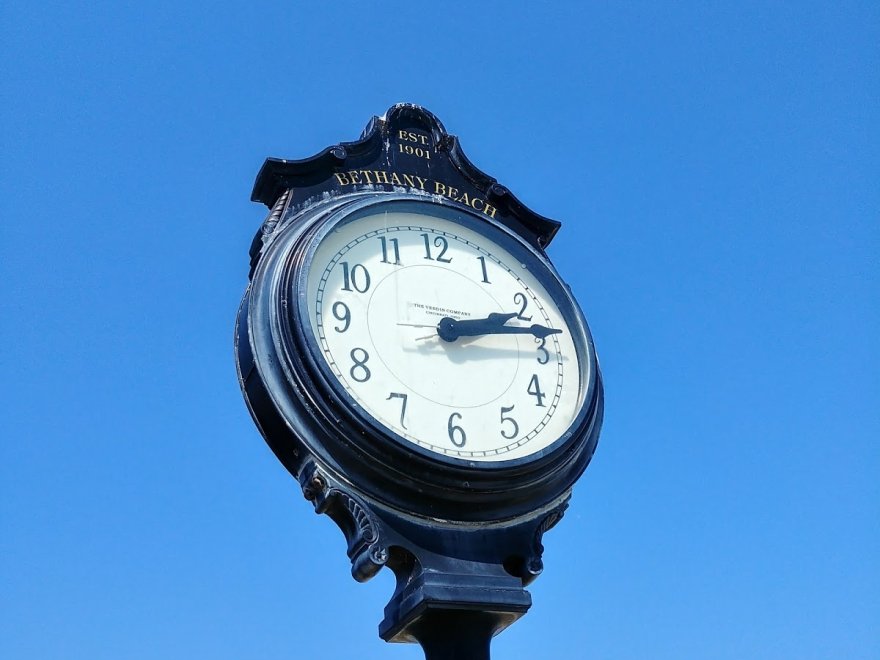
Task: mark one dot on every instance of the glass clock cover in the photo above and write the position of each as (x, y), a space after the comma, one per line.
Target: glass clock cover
(445, 329)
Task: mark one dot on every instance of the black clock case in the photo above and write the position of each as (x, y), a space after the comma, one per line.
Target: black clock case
(463, 538)
(398, 505)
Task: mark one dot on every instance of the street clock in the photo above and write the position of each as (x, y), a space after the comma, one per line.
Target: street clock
(413, 358)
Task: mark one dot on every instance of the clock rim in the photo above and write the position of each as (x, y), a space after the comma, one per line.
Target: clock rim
(488, 237)
(299, 414)
(298, 264)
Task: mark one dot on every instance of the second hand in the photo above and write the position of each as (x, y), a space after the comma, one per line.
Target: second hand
(420, 325)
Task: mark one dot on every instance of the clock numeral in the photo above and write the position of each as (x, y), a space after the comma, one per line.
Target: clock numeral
(359, 370)
(541, 349)
(521, 300)
(515, 430)
(439, 242)
(358, 277)
(394, 248)
(344, 316)
(398, 395)
(482, 261)
(456, 433)
(535, 390)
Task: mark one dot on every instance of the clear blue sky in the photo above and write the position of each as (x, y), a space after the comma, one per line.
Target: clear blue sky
(715, 167)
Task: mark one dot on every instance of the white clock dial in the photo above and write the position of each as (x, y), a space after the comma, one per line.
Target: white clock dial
(443, 336)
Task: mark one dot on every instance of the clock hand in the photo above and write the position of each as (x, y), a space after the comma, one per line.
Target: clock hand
(498, 319)
(450, 329)
(539, 331)
(494, 319)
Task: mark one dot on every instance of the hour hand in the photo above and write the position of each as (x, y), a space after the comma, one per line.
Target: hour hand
(466, 328)
(450, 329)
(496, 318)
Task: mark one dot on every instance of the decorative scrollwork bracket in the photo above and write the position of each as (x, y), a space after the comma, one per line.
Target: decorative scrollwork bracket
(361, 528)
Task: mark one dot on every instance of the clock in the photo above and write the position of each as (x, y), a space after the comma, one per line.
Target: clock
(427, 353)
(444, 331)
(412, 357)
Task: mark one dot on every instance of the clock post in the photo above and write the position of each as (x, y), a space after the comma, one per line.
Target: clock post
(411, 356)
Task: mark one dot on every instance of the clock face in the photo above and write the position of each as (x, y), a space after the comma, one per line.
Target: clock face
(445, 330)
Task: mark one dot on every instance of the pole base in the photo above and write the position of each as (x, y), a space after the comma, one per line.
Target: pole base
(454, 616)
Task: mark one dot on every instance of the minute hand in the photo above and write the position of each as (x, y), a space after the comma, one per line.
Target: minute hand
(450, 329)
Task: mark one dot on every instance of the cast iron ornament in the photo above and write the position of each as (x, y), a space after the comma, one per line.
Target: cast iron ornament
(412, 357)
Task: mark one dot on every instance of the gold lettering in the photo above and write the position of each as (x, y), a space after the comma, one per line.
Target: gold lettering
(343, 180)
(353, 175)
(475, 201)
(453, 193)
(366, 174)
(439, 188)
(412, 136)
(408, 180)
(395, 180)
(421, 181)
(465, 199)
(489, 210)
(381, 176)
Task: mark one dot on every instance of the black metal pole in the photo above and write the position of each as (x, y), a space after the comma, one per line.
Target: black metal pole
(456, 634)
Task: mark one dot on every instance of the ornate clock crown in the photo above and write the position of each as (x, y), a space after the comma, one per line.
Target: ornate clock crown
(390, 156)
